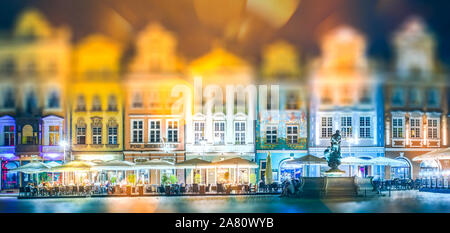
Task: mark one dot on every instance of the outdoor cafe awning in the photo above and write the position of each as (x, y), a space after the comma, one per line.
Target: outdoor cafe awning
(439, 154)
(154, 164)
(31, 168)
(235, 162)
(194, 163)
(73, 166)
(114, 165)
(306, 160)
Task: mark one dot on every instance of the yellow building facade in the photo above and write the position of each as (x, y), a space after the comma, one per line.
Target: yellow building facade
(96, 101)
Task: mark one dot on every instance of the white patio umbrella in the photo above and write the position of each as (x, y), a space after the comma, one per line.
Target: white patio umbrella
(114, 165)
(306, 160)
(439, 154)
(32, 168)
(73, 166)
(351, 160)
(194, 163)
(53, 164)
(355, 161)
(383, 161)
(155, 164)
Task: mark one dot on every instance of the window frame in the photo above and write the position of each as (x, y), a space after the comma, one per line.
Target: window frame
(174, 130)
(138, 130)
(239, 133)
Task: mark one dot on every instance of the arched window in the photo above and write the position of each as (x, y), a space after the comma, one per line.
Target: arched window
(401, 172)
(28, 135)
(96, 103)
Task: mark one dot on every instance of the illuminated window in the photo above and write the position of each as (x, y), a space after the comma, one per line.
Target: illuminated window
(326, 127)
(96, 135)
(346, 127)
(199, 131)
(81, 135)
(292, 134)
(415, 128)
(137, 131)
(433, 128)
(8, 135)
(271, 134)
(397, 128)
(172, 131)
(219, 132)
(53, 133)
(112, 135)
(364, 127)
(28, 135)
(239, 132)
(262, 169)
(155, 131)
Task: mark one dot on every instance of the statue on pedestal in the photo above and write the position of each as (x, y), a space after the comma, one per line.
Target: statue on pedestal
(333, 153)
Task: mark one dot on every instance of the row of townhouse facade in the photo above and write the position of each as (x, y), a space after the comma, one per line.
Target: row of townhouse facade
(62, 102)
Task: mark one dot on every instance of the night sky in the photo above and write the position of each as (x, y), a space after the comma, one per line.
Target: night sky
(123, 19)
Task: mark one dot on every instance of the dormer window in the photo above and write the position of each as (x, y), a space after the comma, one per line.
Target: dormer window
(81, 103)
(137, 100)
(292, 101)
(9, 99)
(96, 104)
(365, 96)
(398, 97)
(8, 67)
(414, 97)
(433, 98)
(53, 100)
(112, 103)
